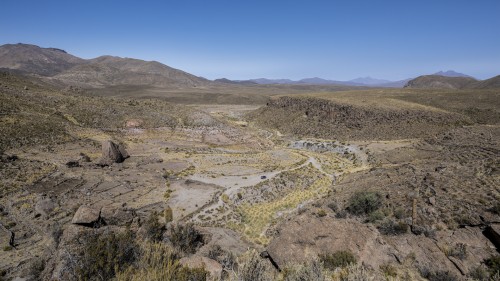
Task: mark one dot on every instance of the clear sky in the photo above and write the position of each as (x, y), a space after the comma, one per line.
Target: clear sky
(274, 39)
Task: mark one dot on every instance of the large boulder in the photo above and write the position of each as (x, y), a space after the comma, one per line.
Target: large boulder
(113, 153)
(307, 237)
(87, 216)
(212, 267)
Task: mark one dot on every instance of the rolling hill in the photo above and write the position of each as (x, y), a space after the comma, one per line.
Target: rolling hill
(447, 82)
(32, 59)
(113, 71)
(60, 67)
(439, 82)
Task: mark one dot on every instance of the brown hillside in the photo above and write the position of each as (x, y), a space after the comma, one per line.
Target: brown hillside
(35, 60)
(439, 82)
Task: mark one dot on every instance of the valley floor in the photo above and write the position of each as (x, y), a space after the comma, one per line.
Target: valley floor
(261, 185)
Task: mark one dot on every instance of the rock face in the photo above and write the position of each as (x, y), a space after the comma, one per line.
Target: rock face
(493, 233)
(196, 261)
(306, 237)
(117, 216)
(87, 216)
(113, 153)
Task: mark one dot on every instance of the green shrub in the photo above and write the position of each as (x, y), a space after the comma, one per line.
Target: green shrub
(321, 213)
(480, 274)
(375, 216)
(168, 213)
(153, 228)
(311, 270)
(36, 267)
(493, 265)
(333, 206)
(438, 275)
(337, 259)
(364, 202)
(459, 251)
(254, 268)
(389, 270)
(225, 258)
(105, 255)
(390, 227)
(399, 213)
(185, 237)
(159, 262)
(496, 209)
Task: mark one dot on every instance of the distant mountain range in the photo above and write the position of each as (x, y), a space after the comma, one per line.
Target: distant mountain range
(57, 66)
(362, 81)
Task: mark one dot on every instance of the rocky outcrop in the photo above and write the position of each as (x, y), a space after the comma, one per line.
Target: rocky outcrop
(324, 118)
(305, 237)
(118, 216)
(113, 153)
(493, 233)
(212, 267)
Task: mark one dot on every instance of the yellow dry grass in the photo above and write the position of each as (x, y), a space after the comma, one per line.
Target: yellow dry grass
(257, 217)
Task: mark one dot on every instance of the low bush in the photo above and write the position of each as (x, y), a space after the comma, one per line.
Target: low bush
(168, 214)
(389, 270)
(159, 262)
(364, 203)
(458, 251)
(36, 268)
(496, 209)
(105, 255)
(225, 258)
(321, 213)
(438, 275)
(333, 206)
(185, 237)
(153, 228)
(311, 270)
(254, 268)
(337, 259)
(375, 216)
(493, 265)
(480, 274)
(390, 227)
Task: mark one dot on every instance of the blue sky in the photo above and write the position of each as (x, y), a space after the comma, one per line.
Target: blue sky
(273, 39)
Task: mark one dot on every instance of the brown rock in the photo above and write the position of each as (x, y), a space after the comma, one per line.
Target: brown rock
(196, 261)
(45, 206)
(432, 200)
(87, 216)
(113, 153)
(117, 216)
(307, 237)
